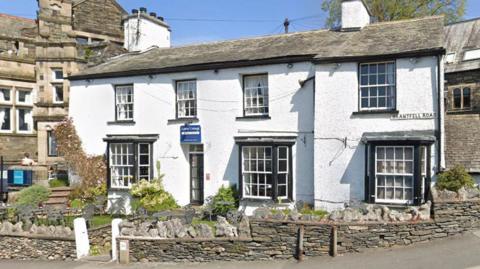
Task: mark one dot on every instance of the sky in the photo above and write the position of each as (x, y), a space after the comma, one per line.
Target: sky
(197, 21)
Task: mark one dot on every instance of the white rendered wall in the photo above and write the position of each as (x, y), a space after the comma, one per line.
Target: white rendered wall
(150, 34)
(354, 14)
(339, 170)
(220, 102)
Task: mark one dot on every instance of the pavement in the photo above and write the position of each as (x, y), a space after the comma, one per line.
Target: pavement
(460, 252)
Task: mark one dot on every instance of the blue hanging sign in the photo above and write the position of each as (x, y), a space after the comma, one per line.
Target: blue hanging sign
(190, 134)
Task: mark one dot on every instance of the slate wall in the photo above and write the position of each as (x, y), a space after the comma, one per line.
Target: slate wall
(37, 248)
(272, 239)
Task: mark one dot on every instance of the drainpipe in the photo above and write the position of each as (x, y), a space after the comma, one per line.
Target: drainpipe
(439, 118)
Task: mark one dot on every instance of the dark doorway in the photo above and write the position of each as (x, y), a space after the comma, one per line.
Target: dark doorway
(196, 174)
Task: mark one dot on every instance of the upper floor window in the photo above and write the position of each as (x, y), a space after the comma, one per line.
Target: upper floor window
(24, 120)
(461, 98)
(5, 95)
(5, 119)
(58, 92)
(255, 90)
(377, 86)
(24, 97)
(124, 102)
(186, 99)
(57, 74)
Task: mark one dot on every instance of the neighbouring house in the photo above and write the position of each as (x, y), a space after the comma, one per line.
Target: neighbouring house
(329, 117)
(35, 56)
(462, 95)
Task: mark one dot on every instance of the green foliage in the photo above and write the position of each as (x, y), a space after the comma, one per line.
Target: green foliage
(151, 195)
(33, 195)
(55, 183)
(87, 195)
(225, 200)
(454, 179)
(391, 10)
(77, 204)
(308, 211)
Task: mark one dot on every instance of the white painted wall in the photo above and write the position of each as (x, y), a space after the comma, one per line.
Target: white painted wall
(149, 34)
(354, 14)
(339, 170)
(220, 102)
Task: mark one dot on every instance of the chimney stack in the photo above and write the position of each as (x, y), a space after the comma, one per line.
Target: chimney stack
(153, 14)
(144, 30)
(134, 11)
(143, 10)
(355, 15)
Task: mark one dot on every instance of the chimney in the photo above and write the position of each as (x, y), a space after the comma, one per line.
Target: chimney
(144, 30)
(355, 15)
(161, 18)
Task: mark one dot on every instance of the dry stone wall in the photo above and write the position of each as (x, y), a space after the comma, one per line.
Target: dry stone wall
(37, 248)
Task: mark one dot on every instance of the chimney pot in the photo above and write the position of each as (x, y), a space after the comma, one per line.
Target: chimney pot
(161, 18)
(153, 14)
(143, 10)
(134, 11)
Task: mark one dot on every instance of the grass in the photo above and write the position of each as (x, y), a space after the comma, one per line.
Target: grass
(96, 221)
(318, 213)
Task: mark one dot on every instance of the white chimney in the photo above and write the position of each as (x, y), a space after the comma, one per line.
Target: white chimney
(355, 14)
(143, 30)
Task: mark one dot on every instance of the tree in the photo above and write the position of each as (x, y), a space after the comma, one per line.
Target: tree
(390, 10)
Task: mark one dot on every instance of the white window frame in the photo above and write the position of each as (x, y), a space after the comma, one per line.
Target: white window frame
(389, 86)
(186, 102)
(251, 96)
(286, 172)
(148, 165)
(403, 174)
(54, 75)
(11, 119)
(30, 124)
(117, 180)
(10, 90)
(28, 101)
(462, 97)
(257, 172)
(51, 144)
(56, 100)
(122, 105)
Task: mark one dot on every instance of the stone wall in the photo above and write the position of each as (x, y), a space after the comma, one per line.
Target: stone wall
(101, 237)
(462, 128)
(99, 16)
(13, 147)
(37, 248)
(279, 239)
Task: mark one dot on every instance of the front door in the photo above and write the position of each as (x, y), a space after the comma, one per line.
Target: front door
(196, 177)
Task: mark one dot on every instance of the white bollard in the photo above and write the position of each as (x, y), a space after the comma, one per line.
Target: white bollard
(115, 234)
(81, 237)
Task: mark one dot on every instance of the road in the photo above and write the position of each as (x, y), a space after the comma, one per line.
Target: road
(461, 252)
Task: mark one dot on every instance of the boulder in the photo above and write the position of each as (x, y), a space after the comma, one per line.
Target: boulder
(7, 228)
(33, 229)
(443, 195)
(424, 211)
(262, 213)
(191, 231)
(162, 229)
(405, 216)
(127, 231)
(178, 228)
(294, 215)
(385, 213)
(352, 215)
(126, 224)
(204, 231)
(170, 229)
(225, 229)
(18, 227)
(473, 193)
(394, 216)
(336, 215)
(153, 233)
(42, 229)
(244, 227)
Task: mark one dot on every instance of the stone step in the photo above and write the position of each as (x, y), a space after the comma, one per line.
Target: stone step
(61, 200)
(60, 194)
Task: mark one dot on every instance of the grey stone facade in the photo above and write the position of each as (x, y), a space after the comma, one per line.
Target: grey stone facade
(37, 248)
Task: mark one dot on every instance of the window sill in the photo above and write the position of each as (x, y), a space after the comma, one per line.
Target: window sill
(64, 104)
(121, 122)
(265, 117)
(373, 112)
(462, 111)
(266, 200)
(183, 120)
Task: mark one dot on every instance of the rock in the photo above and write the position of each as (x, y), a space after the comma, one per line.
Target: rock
(385, 213)
(178, 228)
(244, 227)
(33, 229)
(68, 231)
(126, 224)
(336, 215)
(191, 231)
(170, 229)
(473, 193)
(262, 213)
(162, 229)
(18, 227)
(7, 227)
(153, 232)
(128, 231)
(405, 217)
(424, 211)
(51, 229)
(352, 215)
(204, 231)
(144, 227)
(393, 216)
(443, 195)
(294, 215)
(225, 229)
(42, 229)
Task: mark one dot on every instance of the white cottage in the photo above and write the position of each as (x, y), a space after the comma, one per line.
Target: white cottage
(284, 117)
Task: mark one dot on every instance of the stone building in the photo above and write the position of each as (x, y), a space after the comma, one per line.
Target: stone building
(35, 56)
(462, 74)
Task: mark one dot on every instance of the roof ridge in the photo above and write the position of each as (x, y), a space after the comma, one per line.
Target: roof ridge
(464, 21)
(405, 20)
(16, 17)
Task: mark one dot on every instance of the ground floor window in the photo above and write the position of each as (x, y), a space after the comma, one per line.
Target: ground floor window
(51, 144)
(396, 173)
(266, 171)
(129, 163)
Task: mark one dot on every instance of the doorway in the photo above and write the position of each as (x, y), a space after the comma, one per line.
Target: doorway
(196, 174)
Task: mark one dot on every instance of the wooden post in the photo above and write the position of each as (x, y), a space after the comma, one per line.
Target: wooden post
(333, 246)
(301, 232)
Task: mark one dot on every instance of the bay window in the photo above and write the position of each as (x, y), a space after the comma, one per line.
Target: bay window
(124, 103)
(129, 162)
(186, 98)
(255, 90)
(377, 86)
(266, 171)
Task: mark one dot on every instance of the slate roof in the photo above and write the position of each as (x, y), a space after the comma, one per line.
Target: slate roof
(15, 27)
(461, 37)
(424, 35)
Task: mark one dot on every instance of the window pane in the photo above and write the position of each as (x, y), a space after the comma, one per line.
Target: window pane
(25, 119)
(5, 119)
(457, 98)
(256, 95)
(5, 95)
(52, 144)
(466, 97)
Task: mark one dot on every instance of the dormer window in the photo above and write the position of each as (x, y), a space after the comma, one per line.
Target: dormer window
(377, 86)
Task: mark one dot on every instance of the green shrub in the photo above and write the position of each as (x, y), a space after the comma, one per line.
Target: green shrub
(151, 196)
(33, 195)
(454, 179)
(55, 183)
(77, 204)
(225, 200)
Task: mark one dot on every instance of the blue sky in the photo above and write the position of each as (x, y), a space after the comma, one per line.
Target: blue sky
(247, 17)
